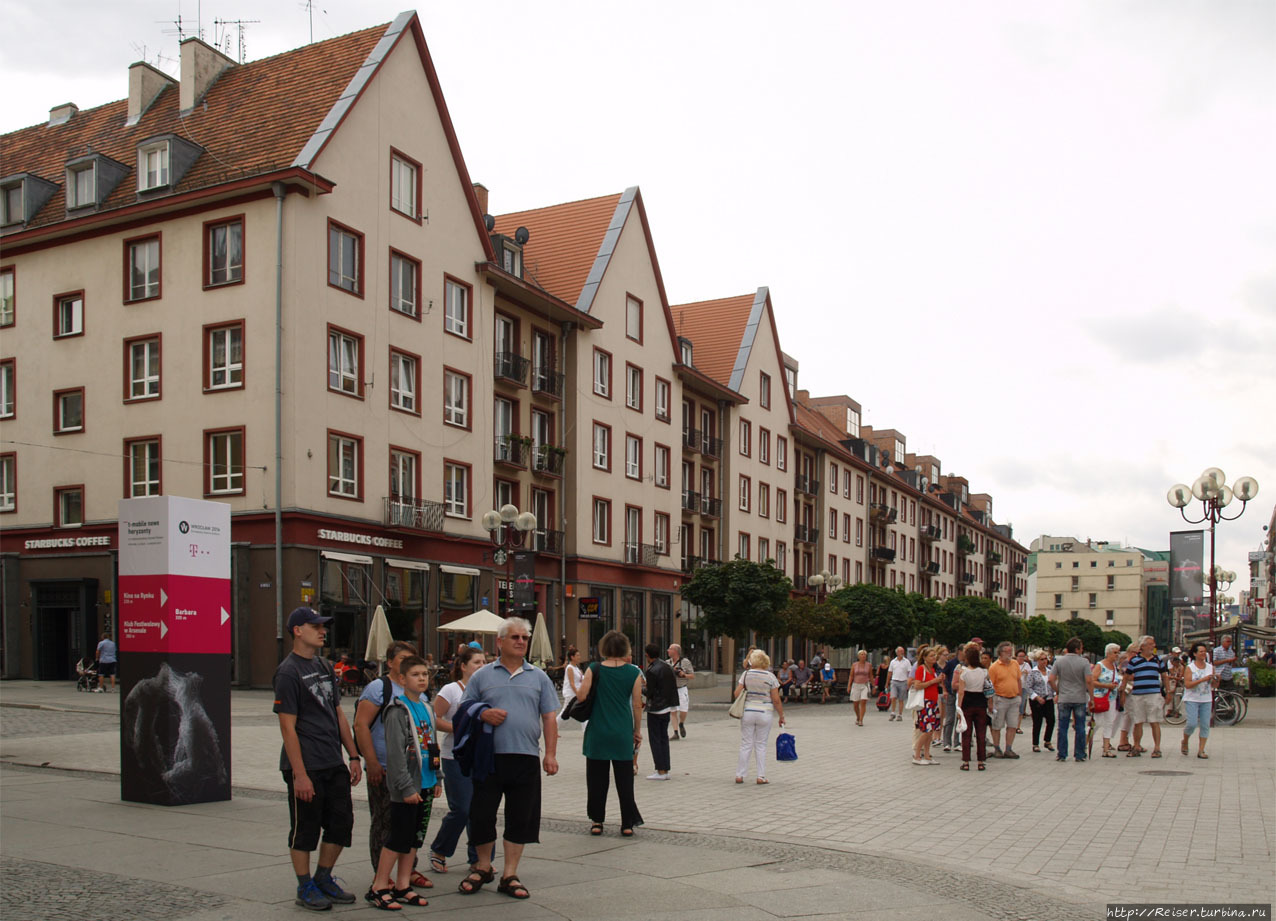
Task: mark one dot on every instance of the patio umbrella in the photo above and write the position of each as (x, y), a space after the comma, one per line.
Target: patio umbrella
(379, 636)
(542, 648)
(478, 622)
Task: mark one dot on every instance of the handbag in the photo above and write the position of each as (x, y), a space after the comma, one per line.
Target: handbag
(916, 697)
(785, 747)
(737, 706)
(1101, 704)
(578, 709)
(989, 690)
(961, 721)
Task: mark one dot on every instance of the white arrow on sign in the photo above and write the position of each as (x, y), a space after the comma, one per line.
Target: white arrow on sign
(163, 629)
(163, 597)
(225, 616)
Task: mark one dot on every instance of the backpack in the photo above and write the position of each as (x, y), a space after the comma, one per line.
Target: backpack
(387, 698)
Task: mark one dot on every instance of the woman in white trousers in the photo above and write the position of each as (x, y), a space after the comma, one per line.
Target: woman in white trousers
(762, 699)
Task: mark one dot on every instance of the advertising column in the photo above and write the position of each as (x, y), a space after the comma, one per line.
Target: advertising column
(174, 639)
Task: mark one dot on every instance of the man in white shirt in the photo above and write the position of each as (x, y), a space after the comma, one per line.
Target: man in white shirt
(900, 670)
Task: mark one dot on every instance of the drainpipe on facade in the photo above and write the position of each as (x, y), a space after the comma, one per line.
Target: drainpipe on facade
(559, 622)
(280, 191)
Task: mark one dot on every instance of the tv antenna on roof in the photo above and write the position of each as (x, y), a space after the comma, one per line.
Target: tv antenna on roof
(239, 25)
(310, 12)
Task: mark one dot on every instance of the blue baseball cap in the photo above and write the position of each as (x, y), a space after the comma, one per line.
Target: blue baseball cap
(474, 644)
(304, 615)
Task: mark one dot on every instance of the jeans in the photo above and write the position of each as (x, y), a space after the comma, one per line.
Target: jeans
(658, 736)
(950, 719)
(755, 729)
(459, 790)
(597, 784)
(1198, 714)
(1074, 713)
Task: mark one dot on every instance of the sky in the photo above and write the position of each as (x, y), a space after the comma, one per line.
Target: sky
(1037, 239)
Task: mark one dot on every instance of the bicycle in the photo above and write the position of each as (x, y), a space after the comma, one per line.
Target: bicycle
(1175, 715)
(1230, 707)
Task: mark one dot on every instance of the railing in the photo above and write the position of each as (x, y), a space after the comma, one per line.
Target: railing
(548, 459)
(710, 507)
(806, 484)
(511, 451)
(805, 535)
(965, 545)
(993, 557)
(690, 501)
(880, 511)
(1019, 567)
(691, 439)
(549, 542)
(710, 446)
(512, 366)
(548, 382)
(931, 569)
(995, 586)
(1019, 592)
(420, 514)
(641, 554)
(929, 533)
(968, 577)
(692, 563)
(884, 553)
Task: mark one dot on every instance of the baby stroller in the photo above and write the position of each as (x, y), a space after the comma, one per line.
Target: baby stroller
(86, 670)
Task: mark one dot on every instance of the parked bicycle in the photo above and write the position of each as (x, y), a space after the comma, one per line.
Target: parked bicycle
(1230, 707)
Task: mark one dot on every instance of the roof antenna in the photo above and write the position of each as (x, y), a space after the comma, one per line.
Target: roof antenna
(239, 25)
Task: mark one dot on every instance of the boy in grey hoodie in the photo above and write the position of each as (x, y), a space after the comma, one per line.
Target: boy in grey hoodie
(412, 780)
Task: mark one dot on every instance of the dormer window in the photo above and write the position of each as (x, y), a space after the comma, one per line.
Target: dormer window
(152, 166)
(12, 204)
(512, 259)
(81, 185)
(684, 351)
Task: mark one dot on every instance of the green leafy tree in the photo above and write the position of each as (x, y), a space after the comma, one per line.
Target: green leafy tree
(927, 616)
(1091, 634)
(1040, 631)
(878, 618)
(740, 596)
(966, 616)
(1114, 636)
(820, 623)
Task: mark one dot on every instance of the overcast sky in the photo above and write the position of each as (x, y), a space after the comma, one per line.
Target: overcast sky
(1038, 239)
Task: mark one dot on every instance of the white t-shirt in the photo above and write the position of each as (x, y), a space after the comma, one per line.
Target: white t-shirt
(452, 694)
(573, 676)
(901, 669)
(757, 686)
(1202, 693)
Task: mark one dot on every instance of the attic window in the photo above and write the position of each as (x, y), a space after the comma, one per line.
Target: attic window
(12, 204)
(686, 353)
(152, 166)
(512, 259)
(81, 186)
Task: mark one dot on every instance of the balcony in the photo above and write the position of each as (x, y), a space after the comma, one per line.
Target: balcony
(417, 514)
(710, 507)
(512, 450)
(965, 545)
(548, 460)
(548, 542)
(690, 501)
(806, 484)
(1017, 593)
(968, 577)
(803, 534)
(691, 439)
(548, 382)
(930, 569)
(929, 534)
(1019, 567)
(995, 586)
(692, 563)
(641, 554)
(710, 446)
(880, 511)
(511, 366)
(883, 553)
(993, 557)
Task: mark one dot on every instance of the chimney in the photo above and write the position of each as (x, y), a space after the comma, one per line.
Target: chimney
(201, 66)
(60, 115)
(144, 84)
(480, 192)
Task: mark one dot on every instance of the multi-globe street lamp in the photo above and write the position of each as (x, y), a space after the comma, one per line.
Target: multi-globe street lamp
(508, 529)
(1212, 491)
(826, 580)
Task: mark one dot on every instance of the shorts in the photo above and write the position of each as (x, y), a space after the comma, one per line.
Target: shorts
(408, 822)
(899, 690)
(1145, 708)
(517, 779)
(330, 810)
(859, 692)
(684, 700)
(107, 669)
(1006, 715)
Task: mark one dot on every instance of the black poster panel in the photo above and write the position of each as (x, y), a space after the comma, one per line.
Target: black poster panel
(1187, 555)
(524, 594)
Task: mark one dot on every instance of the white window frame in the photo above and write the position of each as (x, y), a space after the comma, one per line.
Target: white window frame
(602, 373)
(153, 166)
(456, 490)
(602, 521)
(602, 447)
(456, 310)
(64, 519)
(764, 500)
(456, 399)
(7, 204)
(633, 457)
(222, 445)
(8, 483)
(73, 176)
(151, 455)
(147, 386)
(633, 387)
(232, 369)
(343, 362)
(781, 453)
(662, 462)
(662, 399)
(403, 273)
(781, 506)
(230, 270)
(342, 448)
(746, 437)
(660, 533)
(402, 170)
(61, 420)
(746, 492)
(742, 549)
(403, 474)
(149, 264)
(764, 390)
(70, 316)
(633, 318)
(403, 377)
(344, 239)
(8, 302)
(8, 400)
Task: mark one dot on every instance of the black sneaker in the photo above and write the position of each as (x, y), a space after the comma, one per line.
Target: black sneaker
(309, 896)
(331, 887)
(682, 730)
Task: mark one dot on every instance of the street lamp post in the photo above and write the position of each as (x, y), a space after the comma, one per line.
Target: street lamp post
(1212, 491)
(826, 580)
(508, 529)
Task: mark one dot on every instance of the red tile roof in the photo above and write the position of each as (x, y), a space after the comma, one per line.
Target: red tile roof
(716, 329)
(254, 119)
(563, 242)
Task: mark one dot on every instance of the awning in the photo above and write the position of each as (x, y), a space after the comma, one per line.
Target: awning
(346, 557)
(459, 570)
(408, 564)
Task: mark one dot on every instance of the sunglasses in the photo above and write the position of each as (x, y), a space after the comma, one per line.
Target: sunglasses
(517, 637)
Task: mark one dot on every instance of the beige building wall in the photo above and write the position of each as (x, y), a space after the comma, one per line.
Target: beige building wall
(1090, 582)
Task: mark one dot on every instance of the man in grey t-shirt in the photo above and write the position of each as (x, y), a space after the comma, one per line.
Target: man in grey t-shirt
(1073, 684)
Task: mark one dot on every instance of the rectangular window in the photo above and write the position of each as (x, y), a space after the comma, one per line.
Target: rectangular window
(456, 308)
(781, 555)
(662, 466)
(8, 482)
(633, 318)
(764, 549)
(633, 387)
(764, 500)
(68, 411)
(764, 445)
(456, 398)
(742, 550)
(661, 536)
(8, 295)
(405, 474)
(81, 186)
(345, 358)
(142, 268)
(405, 282)
(1111, 582)
(746, 492)
(764, 390)
(68, 504)
(456, 490)
(8, 381)
(833, 479)
(602, 521)
(502, 429)
(224, 252)
(1076, 583)
(542, 431)
(746, 437)
(781, 452)
(345, 258)
(224, 356)
(859, 496)
(602, 446)
(833, 523)
(1058, 600)
(781, 505)
(662, 399)
(405, 381)
(846, 529)
(68, 315)
(859, 532)
(224, 462)
(142, 361)
(142, 455)
(1109, 618)
(405, 185)
(152, 166)
(633, 534)
(602, 374)
(1094, 600)
(345, 465)
(633, 457)
(846, 483)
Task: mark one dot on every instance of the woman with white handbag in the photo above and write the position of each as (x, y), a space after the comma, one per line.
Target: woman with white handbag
(923, 697)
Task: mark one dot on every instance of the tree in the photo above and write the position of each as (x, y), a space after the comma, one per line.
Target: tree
(1043, 633)
(820, 623)
(927, 615)
(739, 596)
(878, 618)
(1115, 636)
(1090, 633)
(967, 616)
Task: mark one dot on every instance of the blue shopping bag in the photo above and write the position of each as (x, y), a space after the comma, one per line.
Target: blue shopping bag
(785, 747)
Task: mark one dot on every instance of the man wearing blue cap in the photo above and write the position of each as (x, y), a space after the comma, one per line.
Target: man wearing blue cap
(315, 730)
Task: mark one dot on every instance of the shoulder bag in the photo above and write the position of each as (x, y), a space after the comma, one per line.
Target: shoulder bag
(580, 709)
(916, 697)
(737, 706)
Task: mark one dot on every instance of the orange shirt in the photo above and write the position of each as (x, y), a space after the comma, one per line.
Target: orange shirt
(1005, 678)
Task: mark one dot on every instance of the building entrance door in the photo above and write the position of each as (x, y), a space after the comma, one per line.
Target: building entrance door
(65, 626)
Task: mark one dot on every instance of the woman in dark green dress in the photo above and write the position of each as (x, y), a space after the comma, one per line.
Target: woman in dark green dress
(614, 728)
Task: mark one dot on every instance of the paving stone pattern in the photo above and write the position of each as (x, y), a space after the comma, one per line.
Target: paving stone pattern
(34, 890)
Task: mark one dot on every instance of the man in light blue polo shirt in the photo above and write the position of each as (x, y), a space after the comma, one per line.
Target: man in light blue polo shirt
(522, 704)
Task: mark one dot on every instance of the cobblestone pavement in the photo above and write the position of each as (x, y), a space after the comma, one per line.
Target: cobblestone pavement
(35, 890)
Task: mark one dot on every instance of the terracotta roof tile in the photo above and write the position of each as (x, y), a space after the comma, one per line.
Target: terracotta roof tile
(563, 242)
(255, 118)
(716, 329)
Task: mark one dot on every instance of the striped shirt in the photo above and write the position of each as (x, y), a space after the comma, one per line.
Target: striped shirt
(1147, 674)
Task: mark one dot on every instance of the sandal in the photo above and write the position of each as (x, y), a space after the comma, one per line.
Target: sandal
(1035, 748)
(1156, 754)
(382, 899)
(1202, 756)
(420, 880)
(408, 897)
(965, 765)
(1049, 747)
(513, 887)
(475, 880)
(596, 829)
(1183, 747)
(763, 780)
(1124, 748)
(1109, 754)
(982, 766)
(626, 833)
(1133, 754)
(739, 780)
(438, 863)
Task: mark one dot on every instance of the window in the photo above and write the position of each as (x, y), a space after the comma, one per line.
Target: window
(746, 492)
(345, 357)
(846, 482)
(8, 482)
(781, 452)
(661, 537)
(633, 457)
(1094, 564)
(502, 429)
(68, 411)
(852, 423)
(1111, 563)
(633, 387)
(224, 356)
(833, 479)
(68, 315)
(1129, 562)
(1111, 582)
(68, 506)
(142, 268)
(81, 186)
(405, 282)
(12, 203)
(512, 259)
(633, 318)
(846, 529)
(764, 549)
(405, 381)
(1076, 583)
(543, 374)
(456, 398)
(8, 380)
(602, 521)
(764, 390)
(833, 523)
(1108, 618)
(764, 445)
(662, 399)
(456, 308)
(345, 258)
(742, 550)
(542, 430)
(746, 437)
(781, 555)
(142, 457)
(859, 532)
(405, 474)
(456, 490)
(633, 534)
(345, 465)
(224, 461)
(781, 505)
(405, 185)
(602, 373)
(152, 166)
(142, 361)
(602, 446)
(662, 466)
(859, 498)
(8, 299)
(764, 500)
(224, 252)
(1094, 599)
